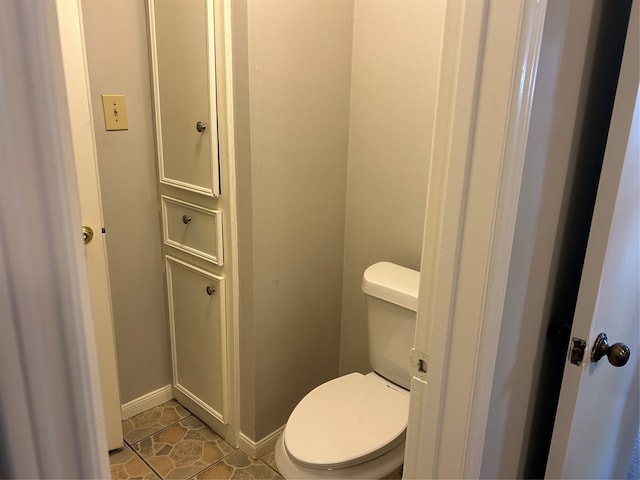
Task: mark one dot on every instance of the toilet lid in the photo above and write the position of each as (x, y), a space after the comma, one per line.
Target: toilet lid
(347, 421)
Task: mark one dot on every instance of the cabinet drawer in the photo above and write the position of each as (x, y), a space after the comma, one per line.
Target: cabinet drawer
(192, 229)
(198, 335)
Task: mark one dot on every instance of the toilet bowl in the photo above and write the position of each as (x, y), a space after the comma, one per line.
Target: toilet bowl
(351, 427)
(354, 426)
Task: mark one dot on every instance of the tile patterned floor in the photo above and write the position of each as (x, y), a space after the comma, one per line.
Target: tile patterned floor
(270, 459)
(238, 465)
(167, 442)
(153, 420)
(126, 464)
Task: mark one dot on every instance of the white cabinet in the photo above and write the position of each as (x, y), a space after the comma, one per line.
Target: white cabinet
(191, 98)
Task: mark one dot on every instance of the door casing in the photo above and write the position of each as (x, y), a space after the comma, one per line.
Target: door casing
(79, 104)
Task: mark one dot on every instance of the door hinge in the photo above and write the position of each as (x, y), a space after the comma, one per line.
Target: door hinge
(419, 364)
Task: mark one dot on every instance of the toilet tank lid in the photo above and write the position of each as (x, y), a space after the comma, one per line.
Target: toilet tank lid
(392, 283)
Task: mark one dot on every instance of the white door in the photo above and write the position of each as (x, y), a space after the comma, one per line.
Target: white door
(78, 99)
(598, 411)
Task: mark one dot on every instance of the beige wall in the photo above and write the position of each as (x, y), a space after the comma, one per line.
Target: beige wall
(116, 42)
(292, 202)
(332, 170)
(390, 126)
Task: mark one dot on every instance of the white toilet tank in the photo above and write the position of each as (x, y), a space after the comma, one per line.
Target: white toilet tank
(392, 302)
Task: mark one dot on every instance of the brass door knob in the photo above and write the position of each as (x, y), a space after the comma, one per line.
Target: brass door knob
(87, 234)
(618, 354)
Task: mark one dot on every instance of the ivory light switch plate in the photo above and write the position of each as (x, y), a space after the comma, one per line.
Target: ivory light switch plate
(115, 112)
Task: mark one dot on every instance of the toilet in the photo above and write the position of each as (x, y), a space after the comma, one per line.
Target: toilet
(354, 426)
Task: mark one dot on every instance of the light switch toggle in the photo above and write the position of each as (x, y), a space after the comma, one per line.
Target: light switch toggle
(115, 112)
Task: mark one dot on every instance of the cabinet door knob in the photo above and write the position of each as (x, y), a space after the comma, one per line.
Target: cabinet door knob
(186, 219)
(200, 126)
(210, 290)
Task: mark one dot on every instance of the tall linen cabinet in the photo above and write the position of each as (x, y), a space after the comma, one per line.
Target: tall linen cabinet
(194, 148)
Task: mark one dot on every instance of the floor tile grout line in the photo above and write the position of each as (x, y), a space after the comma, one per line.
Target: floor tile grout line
(158, 431)
(221, 459)
(131, 444)
(220, 438)
(258, 461)
(147, 464)
(267, 464)
(157, 406)
(205, 468)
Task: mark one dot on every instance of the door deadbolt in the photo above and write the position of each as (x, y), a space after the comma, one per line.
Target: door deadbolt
(87, 233)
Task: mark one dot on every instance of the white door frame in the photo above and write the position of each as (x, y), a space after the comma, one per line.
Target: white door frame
(487, 76)
(69, 13)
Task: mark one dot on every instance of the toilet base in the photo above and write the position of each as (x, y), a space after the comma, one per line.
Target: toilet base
(386, 466)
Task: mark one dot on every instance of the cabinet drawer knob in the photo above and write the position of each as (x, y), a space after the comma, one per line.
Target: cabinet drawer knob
(201, 127)
(210, 290)
(186, 219)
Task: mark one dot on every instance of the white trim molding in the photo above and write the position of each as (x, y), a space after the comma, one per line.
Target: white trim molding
(147, 401)
(228, 159)
(261, 447)
(487, 74)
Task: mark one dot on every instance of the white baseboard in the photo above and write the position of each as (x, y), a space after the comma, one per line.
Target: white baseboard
(260, 448)
(147, 401)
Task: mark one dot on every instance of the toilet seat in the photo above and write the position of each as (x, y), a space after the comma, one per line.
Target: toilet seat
(380, 467)
(347, 421)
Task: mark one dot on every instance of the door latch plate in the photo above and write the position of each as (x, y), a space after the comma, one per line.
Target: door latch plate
(418, 367)
(578, 348)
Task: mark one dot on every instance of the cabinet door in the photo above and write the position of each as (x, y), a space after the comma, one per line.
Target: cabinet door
(198, 335)
(184, 78)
